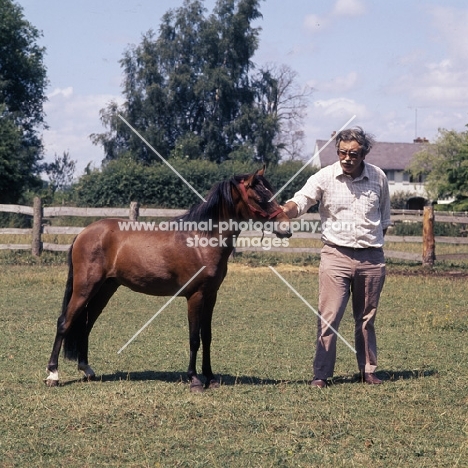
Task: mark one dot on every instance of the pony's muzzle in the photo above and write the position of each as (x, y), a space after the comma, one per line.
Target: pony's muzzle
(283, 229)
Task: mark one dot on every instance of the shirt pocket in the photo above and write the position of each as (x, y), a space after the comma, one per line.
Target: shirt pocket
(371, 202)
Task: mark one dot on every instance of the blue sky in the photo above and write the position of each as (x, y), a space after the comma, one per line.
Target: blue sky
(400, 66)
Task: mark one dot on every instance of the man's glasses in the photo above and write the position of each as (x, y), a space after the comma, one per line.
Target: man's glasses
(344, 153)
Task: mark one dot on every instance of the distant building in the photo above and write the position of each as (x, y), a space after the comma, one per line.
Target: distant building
(392, 158)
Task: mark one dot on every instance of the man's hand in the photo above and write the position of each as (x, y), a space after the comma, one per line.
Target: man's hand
(290, 209)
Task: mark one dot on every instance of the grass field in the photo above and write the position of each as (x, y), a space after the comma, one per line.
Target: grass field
(140, 412)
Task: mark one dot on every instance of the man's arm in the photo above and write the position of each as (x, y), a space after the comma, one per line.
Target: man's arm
(290, 208)
(385, 206)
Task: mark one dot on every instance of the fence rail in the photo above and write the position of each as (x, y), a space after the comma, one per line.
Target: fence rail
(134, 212)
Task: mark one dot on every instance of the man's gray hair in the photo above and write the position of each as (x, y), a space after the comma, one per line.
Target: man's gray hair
(365, 140)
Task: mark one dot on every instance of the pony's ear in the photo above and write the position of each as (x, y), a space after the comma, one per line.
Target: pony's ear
(261, 171)
(249, 181)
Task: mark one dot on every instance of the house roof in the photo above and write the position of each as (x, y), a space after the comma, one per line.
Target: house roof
(387, 156)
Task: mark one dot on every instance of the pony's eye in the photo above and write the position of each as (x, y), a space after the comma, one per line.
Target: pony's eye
(263, 195)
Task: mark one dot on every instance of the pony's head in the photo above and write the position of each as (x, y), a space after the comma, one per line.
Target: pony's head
(242, 198)
(257, 201)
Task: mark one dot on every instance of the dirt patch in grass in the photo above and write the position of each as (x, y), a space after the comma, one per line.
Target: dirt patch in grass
(428, 272)
(252, 269)
(395, 270)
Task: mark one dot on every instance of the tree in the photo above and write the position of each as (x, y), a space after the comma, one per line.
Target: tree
(22, 94)
(60, 172)
(192, 93)
(444, 164)
(282, 99)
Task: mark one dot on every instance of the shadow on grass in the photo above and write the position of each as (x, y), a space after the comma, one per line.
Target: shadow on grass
(389, 376)
(408, 374)
(181, 377)
(231, 380)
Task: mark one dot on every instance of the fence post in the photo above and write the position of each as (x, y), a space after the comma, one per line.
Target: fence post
(36, 247)
(134, 211)
(428, 256)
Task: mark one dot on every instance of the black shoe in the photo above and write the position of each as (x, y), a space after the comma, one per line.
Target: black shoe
(370, 379)
(319, 383)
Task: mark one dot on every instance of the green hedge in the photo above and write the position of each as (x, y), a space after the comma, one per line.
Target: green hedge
(458, 205)
(416, 229)
(122, 181)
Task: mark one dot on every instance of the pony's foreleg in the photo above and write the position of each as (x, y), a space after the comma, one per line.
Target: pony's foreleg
(194, 307)
(206, 317)
(200, 312)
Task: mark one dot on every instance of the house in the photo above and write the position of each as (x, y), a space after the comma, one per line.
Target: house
(392, 158)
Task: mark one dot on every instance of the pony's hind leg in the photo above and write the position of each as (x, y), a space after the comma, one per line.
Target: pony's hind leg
(72, 308)
(71, 325)
(87, 319)
(52, 367)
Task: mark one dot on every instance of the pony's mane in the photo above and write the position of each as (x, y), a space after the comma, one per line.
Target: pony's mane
(219, 203)
(219, 196)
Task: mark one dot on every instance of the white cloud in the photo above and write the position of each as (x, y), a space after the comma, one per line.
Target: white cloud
(442, 83)
(65, 92)
(435, 84)
(315, 23)
(327, 116)
(434, 81)
(349, 8)
(416, 84)
(451, 24)
(340, 84)
(340, 108)
(71, 119)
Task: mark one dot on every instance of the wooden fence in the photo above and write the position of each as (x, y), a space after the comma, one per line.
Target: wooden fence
(41, 215)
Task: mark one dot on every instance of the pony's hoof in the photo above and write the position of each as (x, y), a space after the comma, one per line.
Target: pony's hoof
(88, 373)
(196, 386)
(213, 383)
(51, 382)
(52, 379)
(89, 378)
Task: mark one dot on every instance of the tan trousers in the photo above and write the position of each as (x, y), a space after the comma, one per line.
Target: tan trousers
(346, 272)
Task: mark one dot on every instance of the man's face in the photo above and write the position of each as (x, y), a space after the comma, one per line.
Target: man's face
(349, 153)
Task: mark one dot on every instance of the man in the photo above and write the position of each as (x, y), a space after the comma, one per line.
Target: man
(355, 214)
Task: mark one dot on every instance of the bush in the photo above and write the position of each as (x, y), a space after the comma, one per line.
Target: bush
(399, 200)
(416, 229)
(458, 205)
(123, 181)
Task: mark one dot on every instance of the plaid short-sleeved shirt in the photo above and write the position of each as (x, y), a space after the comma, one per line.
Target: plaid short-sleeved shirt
(353, 212)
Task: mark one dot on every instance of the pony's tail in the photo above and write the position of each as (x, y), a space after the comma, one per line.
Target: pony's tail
(71, 339)
(69, 285)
